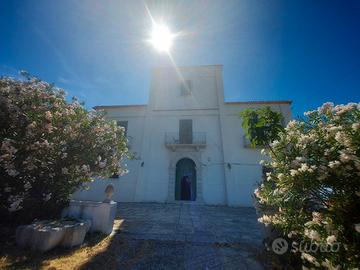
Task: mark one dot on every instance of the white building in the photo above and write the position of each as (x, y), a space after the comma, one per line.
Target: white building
(186, 129)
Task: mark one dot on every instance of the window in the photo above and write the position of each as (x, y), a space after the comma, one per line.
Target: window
(123, 124)
(186, 87)
(283, 123)
(185, 131)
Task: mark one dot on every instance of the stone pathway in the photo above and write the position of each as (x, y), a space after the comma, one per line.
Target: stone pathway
(189, 236)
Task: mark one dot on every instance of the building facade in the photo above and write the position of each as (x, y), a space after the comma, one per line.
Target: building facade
(187, 141)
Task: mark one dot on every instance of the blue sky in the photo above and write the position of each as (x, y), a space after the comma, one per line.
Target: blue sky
(307, 51)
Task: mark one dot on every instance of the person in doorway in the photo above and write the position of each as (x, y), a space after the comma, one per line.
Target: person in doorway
(185, 188)
(188, 180)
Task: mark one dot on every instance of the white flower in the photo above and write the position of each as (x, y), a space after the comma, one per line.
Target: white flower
(281, 176)
(304, 168)
(15, 205)
(342, 109)
(64, 170)
(334, 164)
(342, 138)
(316, 218)
(294, 172)
(312, 234)
(102, 164)
(356, 126)
(331, 239)
(47, 196)
(277, 192)
(31, 125)
(327, 264)
(27, 186)
(48, 115)
(310, 258)
(274, 143)
(8, 148)
(307, 138)
(326, 107)
(292, 124)
(12, 172)
(357, 227)
(309, 113)
(46, 143)
(85, 168)
(262, 162)
(334, 129)
(346, 157)
(265, 219)
(263, 151)
(274, 164)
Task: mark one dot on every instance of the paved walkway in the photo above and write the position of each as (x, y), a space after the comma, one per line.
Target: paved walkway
(189, 236)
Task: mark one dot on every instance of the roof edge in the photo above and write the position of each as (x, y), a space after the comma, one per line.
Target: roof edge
(101, 107)
(259, 102)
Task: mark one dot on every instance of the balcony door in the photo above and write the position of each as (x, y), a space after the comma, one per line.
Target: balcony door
(185, 131)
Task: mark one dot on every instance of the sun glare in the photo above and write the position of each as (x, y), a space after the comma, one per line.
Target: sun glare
(161, 37)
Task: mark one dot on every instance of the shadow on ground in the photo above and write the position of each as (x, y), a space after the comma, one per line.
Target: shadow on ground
(183, 236)
(158, 236)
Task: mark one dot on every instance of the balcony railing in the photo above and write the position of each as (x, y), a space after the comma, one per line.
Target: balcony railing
(196, 139)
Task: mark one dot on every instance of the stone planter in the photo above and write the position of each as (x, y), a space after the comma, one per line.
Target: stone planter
(75, 234)
(45, 235)
(101, 214)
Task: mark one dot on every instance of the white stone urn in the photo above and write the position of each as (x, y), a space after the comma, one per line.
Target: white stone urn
(109, 192)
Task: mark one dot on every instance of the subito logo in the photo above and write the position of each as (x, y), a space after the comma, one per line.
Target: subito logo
(279, 246)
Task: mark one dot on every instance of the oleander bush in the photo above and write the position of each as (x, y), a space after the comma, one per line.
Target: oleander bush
(49, 148)
(311, 196)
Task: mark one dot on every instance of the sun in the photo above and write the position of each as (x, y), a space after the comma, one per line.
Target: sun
(161, 37)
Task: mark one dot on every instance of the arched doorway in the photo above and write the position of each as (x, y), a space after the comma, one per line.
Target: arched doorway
(185, 184)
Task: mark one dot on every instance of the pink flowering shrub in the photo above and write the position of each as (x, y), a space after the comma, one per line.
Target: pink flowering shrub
(312, 194)
(49, 148)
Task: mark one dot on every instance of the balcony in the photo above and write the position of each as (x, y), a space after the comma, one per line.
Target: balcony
(196, 140)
